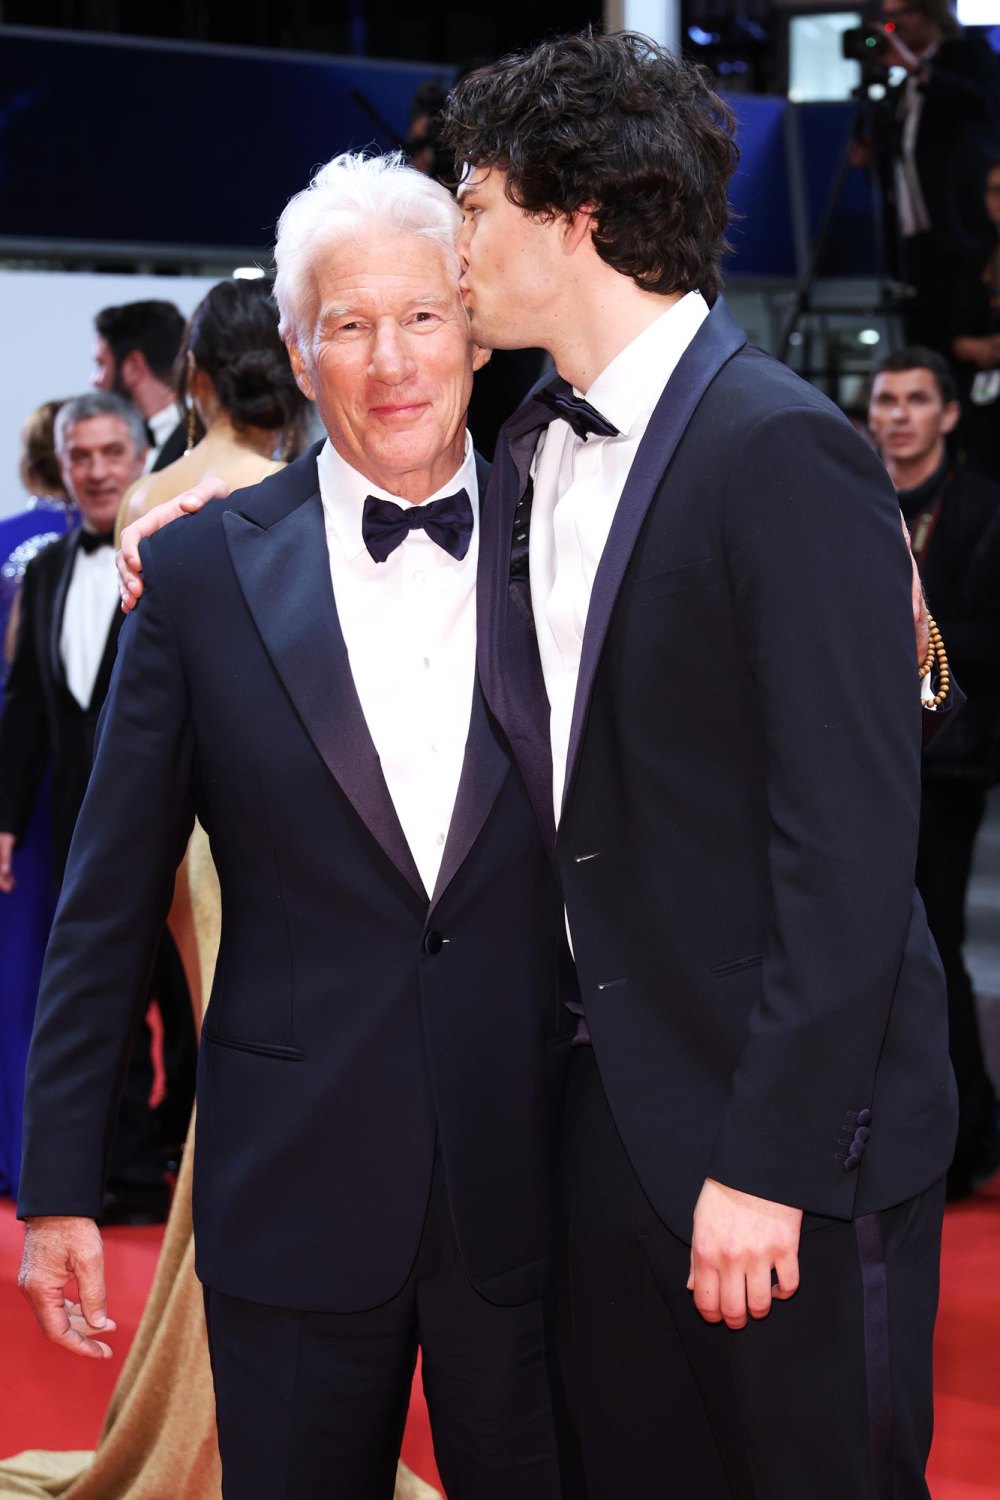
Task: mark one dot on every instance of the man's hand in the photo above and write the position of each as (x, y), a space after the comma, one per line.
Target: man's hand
(921, 629)
(58, 1251)
(7, 881)
(127, 559)
(894, 52)
(737, 1241)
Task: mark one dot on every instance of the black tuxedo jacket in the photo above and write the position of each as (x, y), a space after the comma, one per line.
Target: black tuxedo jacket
(41, 719)
(357, 1022)
(174, 447)
(957, 139)
(738, 835)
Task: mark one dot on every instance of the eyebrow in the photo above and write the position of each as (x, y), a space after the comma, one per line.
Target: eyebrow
(347, 309)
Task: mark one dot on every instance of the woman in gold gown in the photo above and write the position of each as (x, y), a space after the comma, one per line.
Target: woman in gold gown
(158, 1442)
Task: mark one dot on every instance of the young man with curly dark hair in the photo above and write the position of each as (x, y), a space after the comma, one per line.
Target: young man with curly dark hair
(695, 629)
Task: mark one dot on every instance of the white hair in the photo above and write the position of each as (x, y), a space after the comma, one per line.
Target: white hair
(350, 195)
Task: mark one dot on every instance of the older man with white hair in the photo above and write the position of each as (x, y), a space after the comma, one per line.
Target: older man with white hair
(386, 1036)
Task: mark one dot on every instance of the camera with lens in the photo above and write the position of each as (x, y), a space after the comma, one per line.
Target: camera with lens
(863, 44)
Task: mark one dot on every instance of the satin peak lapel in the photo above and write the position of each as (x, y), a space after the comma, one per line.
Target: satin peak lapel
(509, 665)
(284, 573)
(483, 772)
(716, 341)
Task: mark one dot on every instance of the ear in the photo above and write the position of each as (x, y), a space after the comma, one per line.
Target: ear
(578, 229)
(299, 369)
(950, 417)
(480, 357)
(134, 369)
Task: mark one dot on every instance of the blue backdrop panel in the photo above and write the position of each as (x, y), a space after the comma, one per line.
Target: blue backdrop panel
(174, 145)
(762, 237)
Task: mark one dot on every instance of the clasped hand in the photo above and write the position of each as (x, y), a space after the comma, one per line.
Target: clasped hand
(737, 1243)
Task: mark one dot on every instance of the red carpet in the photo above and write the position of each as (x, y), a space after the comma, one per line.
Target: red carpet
(49, 1400)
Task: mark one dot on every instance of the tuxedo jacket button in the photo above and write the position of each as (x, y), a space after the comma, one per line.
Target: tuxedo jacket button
(433, 943)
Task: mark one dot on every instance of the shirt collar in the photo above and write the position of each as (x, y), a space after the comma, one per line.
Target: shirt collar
(343, 492)
(162, 423)
(627, 389)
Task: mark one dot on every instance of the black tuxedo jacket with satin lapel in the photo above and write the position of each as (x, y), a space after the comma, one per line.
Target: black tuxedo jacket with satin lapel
(41, 718)
(354, 1022)
(738, 836)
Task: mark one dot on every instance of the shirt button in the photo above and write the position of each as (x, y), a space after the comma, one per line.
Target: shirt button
(426, 663)
(434, 748)
(419, 576)
(439, 840)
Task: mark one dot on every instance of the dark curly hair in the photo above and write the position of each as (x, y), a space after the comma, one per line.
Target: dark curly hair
(618, 124)
(233, 337)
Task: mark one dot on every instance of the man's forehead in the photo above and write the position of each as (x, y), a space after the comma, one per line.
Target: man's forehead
(916, 379)
(94, 432)
(472, 176)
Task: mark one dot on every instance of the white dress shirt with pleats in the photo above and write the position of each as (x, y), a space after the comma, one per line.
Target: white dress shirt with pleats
(410, 628)
(578, 483)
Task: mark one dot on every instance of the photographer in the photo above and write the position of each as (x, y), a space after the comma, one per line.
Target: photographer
(942, 129)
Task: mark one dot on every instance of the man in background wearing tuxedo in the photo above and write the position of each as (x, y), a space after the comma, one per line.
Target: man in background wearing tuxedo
(134, 354)
(58, 682)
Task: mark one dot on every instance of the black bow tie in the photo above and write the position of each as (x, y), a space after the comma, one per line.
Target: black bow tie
(447, 521)
(580, 415)
(91, 540)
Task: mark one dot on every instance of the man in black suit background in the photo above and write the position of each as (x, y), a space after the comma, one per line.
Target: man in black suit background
(58, 682)
(69, 629)
(134, 355)
(954, 522)
(697, 637)
(386, 1037)
(942, 124)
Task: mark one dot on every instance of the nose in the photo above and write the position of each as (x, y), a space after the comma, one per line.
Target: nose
(391, 361)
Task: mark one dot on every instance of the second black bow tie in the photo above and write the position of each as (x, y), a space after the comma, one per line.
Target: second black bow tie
(581, 416)
(447, 521)
(91, 540)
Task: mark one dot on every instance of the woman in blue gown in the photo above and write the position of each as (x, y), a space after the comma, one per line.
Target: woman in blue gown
(26, 912)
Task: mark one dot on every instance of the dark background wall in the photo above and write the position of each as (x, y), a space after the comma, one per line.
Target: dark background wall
(430, 31)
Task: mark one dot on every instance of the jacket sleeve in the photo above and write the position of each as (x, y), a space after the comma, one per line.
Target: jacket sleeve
(821, 581)
(24, 728)
(967, 79)
(130, 837)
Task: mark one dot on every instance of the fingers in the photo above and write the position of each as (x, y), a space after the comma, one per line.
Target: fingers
(786, 1269)
(127, 560)
(90, 1285)
(7, 881)
(207, 489)
(737, 1241)
(71, 1331)
(78, 1321)
(58, 1251)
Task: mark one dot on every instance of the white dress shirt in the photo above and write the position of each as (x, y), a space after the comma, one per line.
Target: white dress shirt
(578, 484)
(91, 602)
(161, 424)
(910, 204)
(410, 628)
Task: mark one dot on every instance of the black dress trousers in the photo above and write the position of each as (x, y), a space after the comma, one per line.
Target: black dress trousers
(312, 1405)
(828, 1398)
